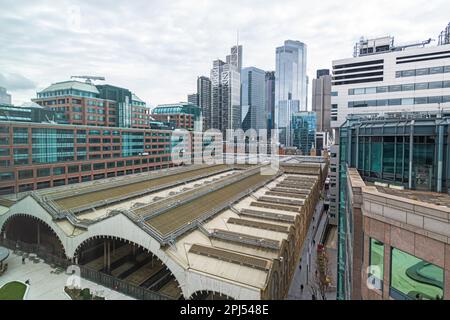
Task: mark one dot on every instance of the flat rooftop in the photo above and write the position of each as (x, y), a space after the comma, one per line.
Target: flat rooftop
(438, 199)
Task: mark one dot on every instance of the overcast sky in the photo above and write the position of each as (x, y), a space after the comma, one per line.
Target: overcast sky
(158, 48)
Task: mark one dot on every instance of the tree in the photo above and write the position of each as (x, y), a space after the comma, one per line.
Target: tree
(322, 278)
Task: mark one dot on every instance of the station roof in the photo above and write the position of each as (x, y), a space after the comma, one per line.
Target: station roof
(226, 221)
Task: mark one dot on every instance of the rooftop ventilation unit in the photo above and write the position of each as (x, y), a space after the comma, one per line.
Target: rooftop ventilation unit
(444, 37)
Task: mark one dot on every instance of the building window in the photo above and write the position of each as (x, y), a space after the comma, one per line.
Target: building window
(414, 278)
(25, 174)
(376, 263)
(59, 171)
(44, 172)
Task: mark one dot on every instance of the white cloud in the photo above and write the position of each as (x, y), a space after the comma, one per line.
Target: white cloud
(158, 48)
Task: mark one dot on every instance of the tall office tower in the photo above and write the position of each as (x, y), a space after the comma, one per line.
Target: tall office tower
(204, 100)
(270, 100)
(235, 58)
(5, 98)
(253, 84)
(321, 100)
(193, 98)
(226, 92)
(290, 86)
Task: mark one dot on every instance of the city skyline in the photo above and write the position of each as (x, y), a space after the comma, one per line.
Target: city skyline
(47, 43)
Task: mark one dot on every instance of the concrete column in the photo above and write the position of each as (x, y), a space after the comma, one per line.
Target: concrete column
(446, 285)
(104, 254)
(109, 256)
(411, 146)
(387, 271)
(440, 158)
(38, 233)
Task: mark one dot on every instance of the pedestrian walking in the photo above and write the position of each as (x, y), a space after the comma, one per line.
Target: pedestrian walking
(23, 260)
(301, 288)
(300, 267)
(313, 297)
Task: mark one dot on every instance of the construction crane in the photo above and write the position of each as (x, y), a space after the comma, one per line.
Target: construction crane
(88, 78)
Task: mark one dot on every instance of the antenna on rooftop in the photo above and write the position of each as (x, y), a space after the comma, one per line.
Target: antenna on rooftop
(88, 78)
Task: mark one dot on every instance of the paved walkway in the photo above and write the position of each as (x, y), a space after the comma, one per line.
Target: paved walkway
(49, 286)
(302, 276)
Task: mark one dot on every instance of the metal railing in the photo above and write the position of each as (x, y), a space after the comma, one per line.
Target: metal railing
(86, 272)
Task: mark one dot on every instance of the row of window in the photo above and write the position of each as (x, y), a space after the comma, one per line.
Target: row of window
(402, 87)
(73, 180)
(67, 92)
(422, 72)
(57, 171)
(399, 102)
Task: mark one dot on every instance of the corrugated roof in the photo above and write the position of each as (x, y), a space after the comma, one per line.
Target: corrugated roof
(76, 85)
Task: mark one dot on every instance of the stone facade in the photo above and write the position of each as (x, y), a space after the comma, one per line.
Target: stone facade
(417, 228)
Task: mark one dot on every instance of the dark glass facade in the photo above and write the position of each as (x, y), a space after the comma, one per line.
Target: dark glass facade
(408, 152)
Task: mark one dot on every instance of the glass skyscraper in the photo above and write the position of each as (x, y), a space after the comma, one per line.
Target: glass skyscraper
(226, 92)
(291, 86)
(253, 81)
(304, 131)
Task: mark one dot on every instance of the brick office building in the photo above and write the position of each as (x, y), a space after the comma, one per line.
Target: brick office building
(182, 115)
(41, 155)
(81, 103)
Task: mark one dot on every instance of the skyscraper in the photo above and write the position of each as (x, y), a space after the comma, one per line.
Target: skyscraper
(270, 100)
(253, 83)
(290, 86)
(321, 100)
(226, 92)
(204, 100)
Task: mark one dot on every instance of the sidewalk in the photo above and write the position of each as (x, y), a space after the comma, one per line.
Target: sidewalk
(302, 276)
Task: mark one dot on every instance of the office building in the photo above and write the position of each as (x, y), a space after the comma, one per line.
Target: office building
(253, 86)
(321, 100)
(322, 72)
(304, 131)
(193, 99)
(180, 115)
(385, 79)
(204, 100)
(82, 103)
(290, 86)
(41, 155)
(394, 225)
(270, 100)
(401, 84)
(140, 113)
(226, 92)
(27, 112)
(5, 98)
